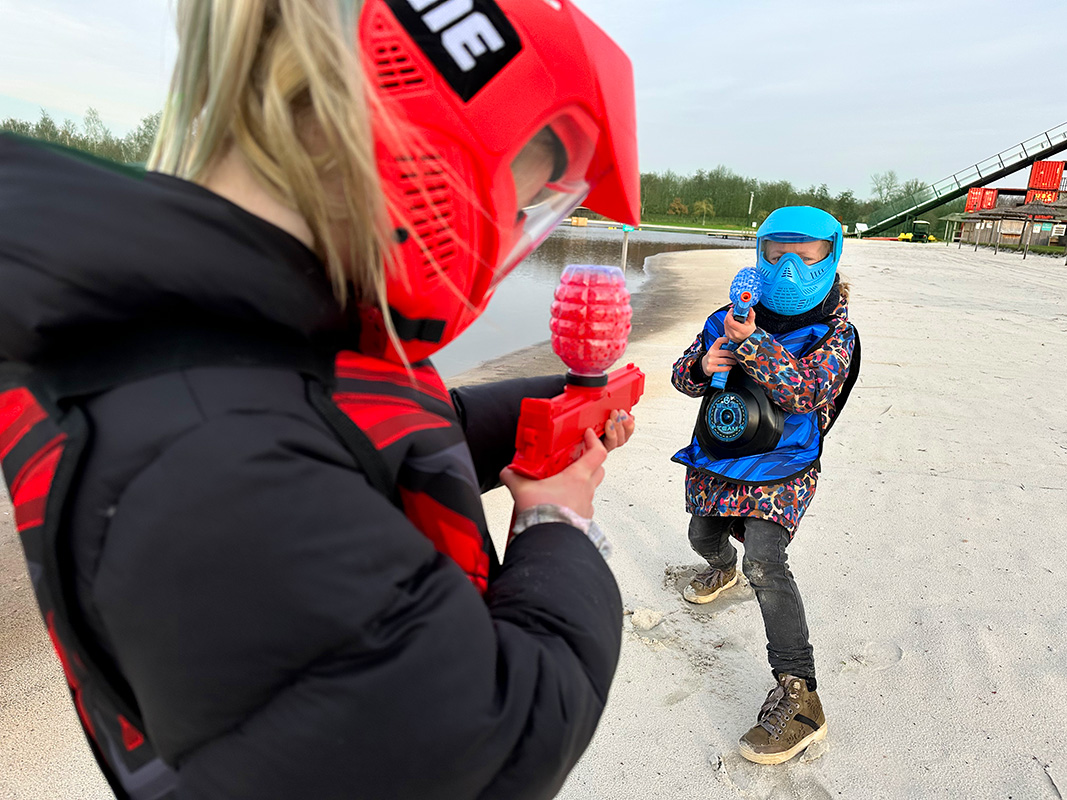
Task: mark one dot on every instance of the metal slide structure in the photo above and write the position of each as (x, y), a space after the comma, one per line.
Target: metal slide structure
(1022, 155)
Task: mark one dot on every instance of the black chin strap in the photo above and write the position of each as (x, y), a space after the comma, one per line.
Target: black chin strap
(420, 330)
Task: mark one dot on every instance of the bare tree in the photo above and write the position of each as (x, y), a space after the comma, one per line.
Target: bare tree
(885, 185)
(913, 188)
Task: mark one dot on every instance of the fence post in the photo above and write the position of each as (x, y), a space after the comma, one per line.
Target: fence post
(625, 244)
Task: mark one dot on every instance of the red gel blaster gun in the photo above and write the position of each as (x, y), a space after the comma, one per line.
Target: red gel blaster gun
(590, 324)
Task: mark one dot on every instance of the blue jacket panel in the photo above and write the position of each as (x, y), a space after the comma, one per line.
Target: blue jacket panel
(801, 441)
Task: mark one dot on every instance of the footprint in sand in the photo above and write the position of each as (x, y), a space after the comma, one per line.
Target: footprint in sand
(686, 689)
(675, 697)
(876, 656)
(797, 778)
(677, 576)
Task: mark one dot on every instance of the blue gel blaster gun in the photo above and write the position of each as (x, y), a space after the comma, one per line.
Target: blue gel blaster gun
(744, 293)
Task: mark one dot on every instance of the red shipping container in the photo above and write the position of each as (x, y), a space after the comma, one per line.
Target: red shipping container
(989, 198)
(1041, 196)
(1046, 175)
(974, 199)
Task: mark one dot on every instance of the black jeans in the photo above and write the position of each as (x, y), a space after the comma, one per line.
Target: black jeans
(765, 564)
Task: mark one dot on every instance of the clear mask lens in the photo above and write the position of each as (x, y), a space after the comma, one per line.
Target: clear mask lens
(537, 221)
(808, 251)
(550, 182)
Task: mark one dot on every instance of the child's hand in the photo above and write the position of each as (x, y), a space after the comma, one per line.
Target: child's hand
(618, 429)
(739, 331)
(717, 359)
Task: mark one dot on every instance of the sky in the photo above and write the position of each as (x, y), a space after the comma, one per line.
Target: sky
(822, 91)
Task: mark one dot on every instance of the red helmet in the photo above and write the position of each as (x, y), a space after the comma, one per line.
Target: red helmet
(497, 119)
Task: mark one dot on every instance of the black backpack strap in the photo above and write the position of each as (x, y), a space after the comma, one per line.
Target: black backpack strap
(356, 442)
(106, 705)
(850, 381)
(41, 459)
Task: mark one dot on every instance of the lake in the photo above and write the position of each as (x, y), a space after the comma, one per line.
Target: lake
(519, 313)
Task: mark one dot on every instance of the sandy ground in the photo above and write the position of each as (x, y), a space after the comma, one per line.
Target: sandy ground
(931, 562)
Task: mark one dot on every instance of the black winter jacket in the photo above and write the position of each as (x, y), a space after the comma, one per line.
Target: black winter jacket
(285, 630)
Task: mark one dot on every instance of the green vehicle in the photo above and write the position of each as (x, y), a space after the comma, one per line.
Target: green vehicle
(917, 230)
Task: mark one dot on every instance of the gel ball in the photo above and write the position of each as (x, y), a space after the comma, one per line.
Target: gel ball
(590, 318)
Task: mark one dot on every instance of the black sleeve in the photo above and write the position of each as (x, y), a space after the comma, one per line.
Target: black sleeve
(288, 633)
(489, 414)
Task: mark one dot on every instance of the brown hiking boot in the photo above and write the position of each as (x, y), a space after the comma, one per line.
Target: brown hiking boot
(790, 720)
(709, 584)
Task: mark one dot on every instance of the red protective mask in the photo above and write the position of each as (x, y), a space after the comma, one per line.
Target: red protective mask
(497, 119)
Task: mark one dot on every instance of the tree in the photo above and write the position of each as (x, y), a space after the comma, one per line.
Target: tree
(705, 208)
(93, 136)
(727, 195)
(19, 126)
(677, 207)
(885, 185)
(774, 194)
(846, 208)
(138, 143)
(819, 197)
(916, 189)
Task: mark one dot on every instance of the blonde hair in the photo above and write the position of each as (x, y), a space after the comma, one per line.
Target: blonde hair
(251, 74)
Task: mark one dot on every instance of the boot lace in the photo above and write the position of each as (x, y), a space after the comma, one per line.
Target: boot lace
(776, 711)
(712, 577)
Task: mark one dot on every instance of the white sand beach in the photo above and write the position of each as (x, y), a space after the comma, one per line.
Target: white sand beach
(929, 561)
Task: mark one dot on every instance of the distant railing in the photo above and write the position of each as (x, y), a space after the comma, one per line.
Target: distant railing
(722, 233)
(956, 184)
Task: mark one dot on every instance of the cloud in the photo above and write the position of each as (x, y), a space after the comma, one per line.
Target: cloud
(832, 91)
(68, 56)
(821, 91)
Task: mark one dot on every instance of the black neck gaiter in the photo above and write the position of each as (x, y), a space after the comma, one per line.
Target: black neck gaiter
(784, 323)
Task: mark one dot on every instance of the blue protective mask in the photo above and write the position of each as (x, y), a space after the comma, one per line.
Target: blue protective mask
(790, 286)
(793, 287)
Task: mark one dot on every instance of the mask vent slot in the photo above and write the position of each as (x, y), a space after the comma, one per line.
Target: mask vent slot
(427, 199)
(394, 68)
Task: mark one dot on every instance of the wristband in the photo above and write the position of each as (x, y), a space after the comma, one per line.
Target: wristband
(547, 512)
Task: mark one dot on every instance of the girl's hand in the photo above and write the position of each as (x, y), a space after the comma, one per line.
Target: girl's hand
(618, 429)
(717, 359)
(573, 488)
(739, 331)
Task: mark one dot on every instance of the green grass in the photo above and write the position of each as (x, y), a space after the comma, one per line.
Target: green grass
(713, 223)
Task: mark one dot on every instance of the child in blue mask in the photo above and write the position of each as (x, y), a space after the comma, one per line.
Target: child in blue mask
(753, 463)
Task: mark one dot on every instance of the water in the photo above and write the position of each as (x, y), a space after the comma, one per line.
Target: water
(519, 313)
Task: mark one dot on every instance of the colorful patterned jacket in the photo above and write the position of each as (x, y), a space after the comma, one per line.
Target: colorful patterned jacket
(800, 385)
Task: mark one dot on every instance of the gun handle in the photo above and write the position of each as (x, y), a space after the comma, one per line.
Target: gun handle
(718, 380)
(550, 431)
